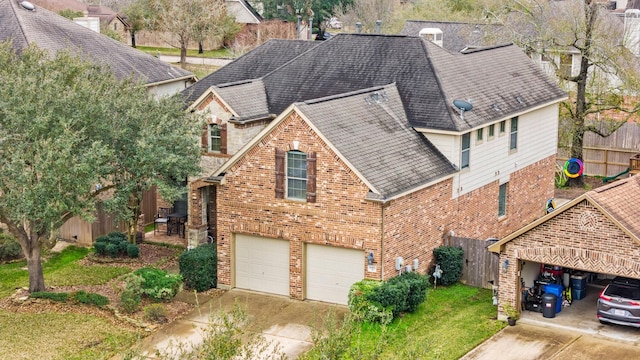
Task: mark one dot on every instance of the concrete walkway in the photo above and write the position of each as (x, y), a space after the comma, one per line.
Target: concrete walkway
(283, 321)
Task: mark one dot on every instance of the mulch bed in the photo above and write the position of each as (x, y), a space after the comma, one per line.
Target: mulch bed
(159, 256)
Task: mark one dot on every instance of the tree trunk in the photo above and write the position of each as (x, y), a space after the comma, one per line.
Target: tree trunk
(34, 266)
(183, 55)
(133, 39)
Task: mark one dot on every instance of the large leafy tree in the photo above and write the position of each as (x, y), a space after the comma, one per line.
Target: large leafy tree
(189, 20)
(70, 135)
(320, 10)
(606, 75)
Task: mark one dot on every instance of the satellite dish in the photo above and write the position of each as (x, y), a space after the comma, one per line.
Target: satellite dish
(27, 5)
(462, 105)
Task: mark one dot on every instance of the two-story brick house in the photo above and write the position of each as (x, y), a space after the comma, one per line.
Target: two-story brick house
(381, 146)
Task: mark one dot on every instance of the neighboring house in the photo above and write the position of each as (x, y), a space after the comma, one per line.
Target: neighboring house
(243, 12)
(109, 20)
(52, 32)
(457, 36)
(596, 234)
(361, 158)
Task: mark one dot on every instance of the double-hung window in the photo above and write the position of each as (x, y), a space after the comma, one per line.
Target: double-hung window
(296, 175)
(214, 137)
(466, 148)
(513, 140)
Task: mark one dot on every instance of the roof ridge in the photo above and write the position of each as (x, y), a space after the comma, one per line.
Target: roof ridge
(436, 74)
(346, 94)
(484, 48)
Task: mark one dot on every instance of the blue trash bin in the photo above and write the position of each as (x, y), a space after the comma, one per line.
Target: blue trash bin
(555, 289)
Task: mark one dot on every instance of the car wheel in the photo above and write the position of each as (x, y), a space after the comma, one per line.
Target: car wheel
(603, 322)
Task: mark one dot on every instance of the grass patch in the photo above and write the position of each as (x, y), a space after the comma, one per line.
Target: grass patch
(452, 321)
(201, 70)
(219, 53)
(46, 336)
(60, 269)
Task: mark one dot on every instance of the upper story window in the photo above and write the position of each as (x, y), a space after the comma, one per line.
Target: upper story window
(503, 127)
(502, 200)
(214, 138)
(296, 175)
(492, 130)
(513, 140)
(479, 135)
(466, 148)
(566, 65)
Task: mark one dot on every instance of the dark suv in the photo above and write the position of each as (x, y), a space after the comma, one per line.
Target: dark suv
(619, 302)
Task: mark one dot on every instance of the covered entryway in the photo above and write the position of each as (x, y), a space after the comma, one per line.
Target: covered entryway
(330, 272)
(262, 264)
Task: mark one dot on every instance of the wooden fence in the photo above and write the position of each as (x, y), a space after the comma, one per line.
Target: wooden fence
(85, 233)
(607, 156)
(480, 266)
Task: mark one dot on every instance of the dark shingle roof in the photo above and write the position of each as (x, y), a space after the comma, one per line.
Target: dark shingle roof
(254, 64)
(370, 130)
(423, 73)
(457, 36)
(53, 32)
(246, 98)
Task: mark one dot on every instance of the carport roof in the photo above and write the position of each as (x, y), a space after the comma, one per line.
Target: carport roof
(616, 201)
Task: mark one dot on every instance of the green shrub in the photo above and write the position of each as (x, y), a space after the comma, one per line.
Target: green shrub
(158, 284)
(122, 247)
(54, 296)
(156, 313)
(9, 248)
(133, 251)
(84, 297)
(129, 301)
(100, 248)
(362, 308)
(450, 259)
(417, 289)
(102, 239)
(198, 267)
(117, 237)
(112, 250)
(392, 296)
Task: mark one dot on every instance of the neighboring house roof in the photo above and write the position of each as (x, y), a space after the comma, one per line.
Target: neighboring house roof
(105, 14)
(252, 65)
(616, 201)
(422, 72)
(458, 36)
(52, 32)
(357, 126)
(243, 12)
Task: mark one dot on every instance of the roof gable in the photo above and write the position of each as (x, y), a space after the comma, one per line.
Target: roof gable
(369, 132)
(247, 99)
(52, 32)
(613, 201)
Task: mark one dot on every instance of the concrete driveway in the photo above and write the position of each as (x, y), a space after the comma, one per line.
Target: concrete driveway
(283, 321)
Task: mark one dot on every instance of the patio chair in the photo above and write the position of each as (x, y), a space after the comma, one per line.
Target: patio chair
(162, 218)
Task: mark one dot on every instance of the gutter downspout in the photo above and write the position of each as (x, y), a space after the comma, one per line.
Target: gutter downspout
(382, 243)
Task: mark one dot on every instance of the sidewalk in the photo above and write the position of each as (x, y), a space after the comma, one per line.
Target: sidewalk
(195, 60)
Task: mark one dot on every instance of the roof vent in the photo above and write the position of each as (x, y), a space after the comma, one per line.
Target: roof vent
(27, 5)
(519, 100)
(495, 107)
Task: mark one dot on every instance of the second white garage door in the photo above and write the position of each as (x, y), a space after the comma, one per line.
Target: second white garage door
(331, 271)
(262, 264)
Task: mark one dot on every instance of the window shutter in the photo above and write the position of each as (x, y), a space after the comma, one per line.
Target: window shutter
(280, 174)
(205, 138)
(223, 138)
(311, 177)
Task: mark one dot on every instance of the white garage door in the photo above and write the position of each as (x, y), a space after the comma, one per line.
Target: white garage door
(331, 271)
(262, 264)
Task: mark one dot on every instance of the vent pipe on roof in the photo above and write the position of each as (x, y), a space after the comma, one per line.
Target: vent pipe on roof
(28, 6)
(358, 27)
(378, 24)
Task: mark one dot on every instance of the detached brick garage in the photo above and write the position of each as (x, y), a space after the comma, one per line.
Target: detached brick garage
(598, 232)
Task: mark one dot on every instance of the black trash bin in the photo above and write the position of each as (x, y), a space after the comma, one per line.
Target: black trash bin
(549, 305)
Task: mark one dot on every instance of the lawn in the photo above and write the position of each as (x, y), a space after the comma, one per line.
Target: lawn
(55, 334)
(219, 53)
(452, 321)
